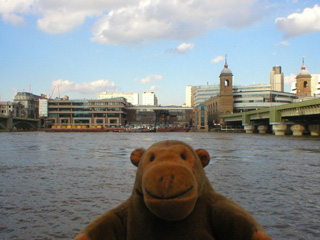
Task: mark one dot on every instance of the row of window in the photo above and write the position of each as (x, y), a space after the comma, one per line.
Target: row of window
(84, 104)
(86, 121)
(88, 115)
(54, 109)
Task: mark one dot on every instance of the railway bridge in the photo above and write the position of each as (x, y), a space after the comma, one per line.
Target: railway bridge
(297, 117)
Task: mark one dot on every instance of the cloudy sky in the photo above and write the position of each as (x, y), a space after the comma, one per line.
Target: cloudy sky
(86, 47)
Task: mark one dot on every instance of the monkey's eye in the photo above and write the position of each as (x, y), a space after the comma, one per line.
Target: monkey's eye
(183, 156)
(152, 158)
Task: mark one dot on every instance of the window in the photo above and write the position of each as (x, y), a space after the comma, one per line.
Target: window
(227, 83)
(305, 84)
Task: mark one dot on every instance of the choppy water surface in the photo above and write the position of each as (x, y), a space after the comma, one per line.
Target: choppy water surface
(53, 184)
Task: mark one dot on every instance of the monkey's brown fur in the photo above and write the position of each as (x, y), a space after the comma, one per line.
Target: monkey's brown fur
(173, 199)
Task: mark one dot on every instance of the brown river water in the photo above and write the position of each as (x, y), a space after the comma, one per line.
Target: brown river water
(53, 184)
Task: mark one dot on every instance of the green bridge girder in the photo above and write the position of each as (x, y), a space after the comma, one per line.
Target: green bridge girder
(278, 114)
(18, 123)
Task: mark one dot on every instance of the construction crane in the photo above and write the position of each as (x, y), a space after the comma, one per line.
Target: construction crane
(50, 97)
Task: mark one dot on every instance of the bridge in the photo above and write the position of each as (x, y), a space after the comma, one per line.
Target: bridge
(297, 117)
(10, 123)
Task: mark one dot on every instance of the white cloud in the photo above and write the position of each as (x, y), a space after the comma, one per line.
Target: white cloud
(300, 23)
(182, 48)
(60, 16)
(176, 20)
(154, 88)
(185, 47)
(57, 16)
(130, 22)
(67, 86)
(218, 59)
(12, 10)
(13, 19)
(150, 78)
(290, 79)
(283, 43)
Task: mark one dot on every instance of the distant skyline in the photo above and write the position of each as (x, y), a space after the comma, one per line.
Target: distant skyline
(89, 47)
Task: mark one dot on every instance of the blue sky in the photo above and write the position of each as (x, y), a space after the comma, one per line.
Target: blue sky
(88, 47)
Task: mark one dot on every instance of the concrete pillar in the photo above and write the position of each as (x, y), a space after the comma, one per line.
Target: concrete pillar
(297, 130)
(262, 129)
(10, 121)
(249, 128)
(279, 129)
(314, 129)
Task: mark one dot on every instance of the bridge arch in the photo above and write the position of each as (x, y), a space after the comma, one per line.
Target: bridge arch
(23, 126)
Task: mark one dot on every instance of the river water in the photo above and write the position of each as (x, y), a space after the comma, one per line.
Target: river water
(53, 184)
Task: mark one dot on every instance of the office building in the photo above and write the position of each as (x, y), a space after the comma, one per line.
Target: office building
(14, 108)
(277, 79)
(149, 98)
(84, 113)
(30, 102)
(132, 98)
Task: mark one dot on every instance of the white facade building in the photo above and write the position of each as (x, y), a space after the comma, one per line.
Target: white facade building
(149, 98)
(203, 93)
(132, 98)
(188, 96)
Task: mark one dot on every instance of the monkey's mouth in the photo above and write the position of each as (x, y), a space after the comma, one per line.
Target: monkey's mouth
(168, 197)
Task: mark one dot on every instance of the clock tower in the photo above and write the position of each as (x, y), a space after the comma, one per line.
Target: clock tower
(226, 90)
(303, 81)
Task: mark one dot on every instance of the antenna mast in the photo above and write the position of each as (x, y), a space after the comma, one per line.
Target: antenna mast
(225, 61)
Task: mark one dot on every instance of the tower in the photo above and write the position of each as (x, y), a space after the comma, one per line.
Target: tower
(303, 80)
(226, 90)
(277, 79)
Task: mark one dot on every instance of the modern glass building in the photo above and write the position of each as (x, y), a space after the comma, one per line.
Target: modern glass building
(85, 113)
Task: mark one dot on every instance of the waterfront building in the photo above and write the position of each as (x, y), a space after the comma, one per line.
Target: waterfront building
(84, 113)
(315, 86)
(203, 93)
(254, 100)
(303, 82)
(132, 98)
(277, 79)
(149, 98)
(232, 99)
(196, 95)
(201, 118)
(190, 95)
(14, 108)
(222, 103)
(159, 115)
(30, 102)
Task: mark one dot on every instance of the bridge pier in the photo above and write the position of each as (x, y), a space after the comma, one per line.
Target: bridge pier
(297, 130)
(262, 129)
(314, 129)
(279, 129)
(249, 128)
(9, 125)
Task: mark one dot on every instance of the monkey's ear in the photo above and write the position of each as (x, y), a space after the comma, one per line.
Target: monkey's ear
(204, 156)
(136, 156)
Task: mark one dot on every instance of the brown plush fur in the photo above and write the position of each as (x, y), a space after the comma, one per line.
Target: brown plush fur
(173, 199)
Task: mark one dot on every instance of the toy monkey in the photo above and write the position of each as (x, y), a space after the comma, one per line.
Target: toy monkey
(173, 199)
